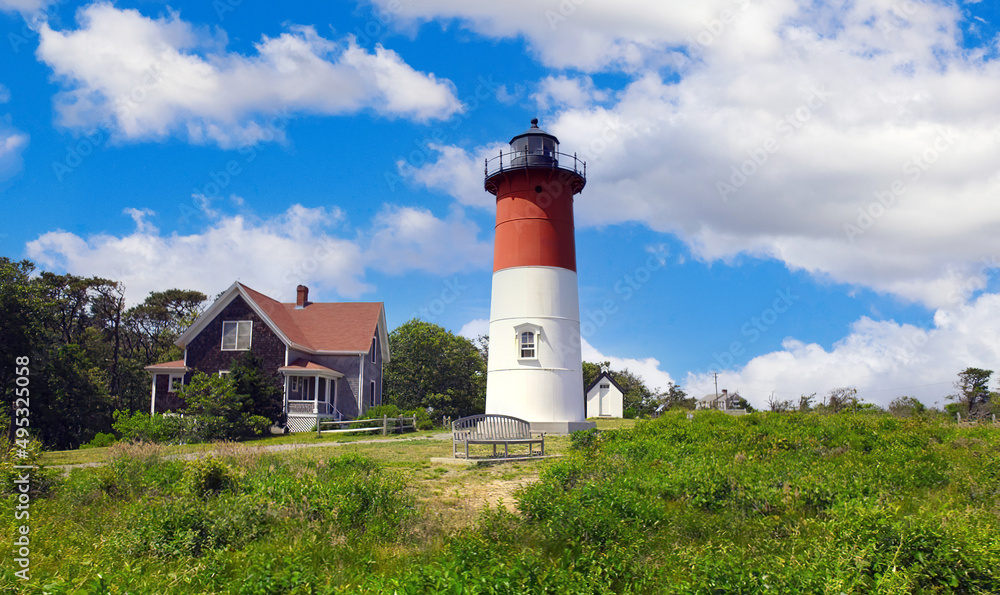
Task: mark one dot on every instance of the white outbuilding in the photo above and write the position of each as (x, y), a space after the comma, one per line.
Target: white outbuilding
(605, 397)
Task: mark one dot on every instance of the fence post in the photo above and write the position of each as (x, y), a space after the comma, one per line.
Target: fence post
(958, 417)
(317, 424)
(400, 423)
(385, 424)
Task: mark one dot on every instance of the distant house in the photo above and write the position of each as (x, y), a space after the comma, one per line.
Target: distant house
(722, 401)
(325, 357)
(605, 397)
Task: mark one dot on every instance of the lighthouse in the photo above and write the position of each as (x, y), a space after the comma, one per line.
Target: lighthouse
(534, 369)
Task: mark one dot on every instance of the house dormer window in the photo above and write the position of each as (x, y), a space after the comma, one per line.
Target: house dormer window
(236, 335)
(528, 345)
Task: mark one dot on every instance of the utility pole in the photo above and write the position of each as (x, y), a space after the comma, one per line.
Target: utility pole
(714, 403)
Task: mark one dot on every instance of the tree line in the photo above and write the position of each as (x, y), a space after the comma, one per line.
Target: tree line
(88, 351)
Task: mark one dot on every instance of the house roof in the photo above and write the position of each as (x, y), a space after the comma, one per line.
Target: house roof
(334, 327)
(175, 366)
(600, 376)
(301, 365)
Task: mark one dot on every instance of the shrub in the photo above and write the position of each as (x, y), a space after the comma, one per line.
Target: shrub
(209, 476)
(144, 427)
(101, 440)
(193, 527)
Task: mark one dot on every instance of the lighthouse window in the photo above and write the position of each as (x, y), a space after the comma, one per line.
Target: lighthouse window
(527, 344)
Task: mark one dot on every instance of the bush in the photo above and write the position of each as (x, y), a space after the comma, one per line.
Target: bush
(194, 527)
(209, 476)
(101, 440)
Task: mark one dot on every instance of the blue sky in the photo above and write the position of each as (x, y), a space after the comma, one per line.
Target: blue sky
(796, 196)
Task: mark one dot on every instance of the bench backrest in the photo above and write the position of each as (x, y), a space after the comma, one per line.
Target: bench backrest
(486, 426)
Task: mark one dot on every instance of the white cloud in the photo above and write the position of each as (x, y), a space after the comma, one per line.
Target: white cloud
(23, 6)
(412, 239)
(579, 34)
(566, 92)
(882, 359)
(867, 138)
(455, 172)
(474, 328)
(271, 255)
(648, 368)
(147, 78)
(12, 142)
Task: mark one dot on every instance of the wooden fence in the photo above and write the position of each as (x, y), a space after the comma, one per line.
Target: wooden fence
(385, 425)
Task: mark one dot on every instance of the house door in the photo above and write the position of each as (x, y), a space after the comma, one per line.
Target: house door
(605, 396)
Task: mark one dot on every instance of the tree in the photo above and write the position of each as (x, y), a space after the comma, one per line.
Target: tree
(779, 406)
(263, 397)
(674, 397)
(21, 330)
(973, 394)
(906, 407)
(432, 367)
(841, 399)
(155, 324)
(222, 413)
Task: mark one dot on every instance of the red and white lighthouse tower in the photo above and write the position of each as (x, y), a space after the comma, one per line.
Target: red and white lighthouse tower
(534, 370)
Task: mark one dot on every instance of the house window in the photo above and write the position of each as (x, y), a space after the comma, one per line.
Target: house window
(373, 350)
(223, 373)
(296, 384)
(527, 345)
(605, 385)
(236, 335)
(175, 383)
(371, 396)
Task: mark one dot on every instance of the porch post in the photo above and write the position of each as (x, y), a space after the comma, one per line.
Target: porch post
(284, 403)
(316, 395)
(152, 404)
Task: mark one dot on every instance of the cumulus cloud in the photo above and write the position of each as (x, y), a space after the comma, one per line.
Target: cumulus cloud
(881, 359)
(858, 143)
(647, 368)
(567, 92)
(272, 255)
(146, 78)
(589, 36)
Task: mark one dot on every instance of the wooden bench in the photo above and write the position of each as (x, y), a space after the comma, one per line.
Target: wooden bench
(494, 430)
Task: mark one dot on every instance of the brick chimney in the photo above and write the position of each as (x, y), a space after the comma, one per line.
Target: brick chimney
(301, 296)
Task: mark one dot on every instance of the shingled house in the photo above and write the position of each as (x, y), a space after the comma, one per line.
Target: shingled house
(326, 357)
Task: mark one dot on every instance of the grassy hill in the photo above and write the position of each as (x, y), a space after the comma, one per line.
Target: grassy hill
(776, 503)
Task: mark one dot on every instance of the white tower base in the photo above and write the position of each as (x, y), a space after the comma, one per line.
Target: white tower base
(543, 386)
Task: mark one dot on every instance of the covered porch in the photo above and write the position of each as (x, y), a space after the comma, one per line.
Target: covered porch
(310, 394)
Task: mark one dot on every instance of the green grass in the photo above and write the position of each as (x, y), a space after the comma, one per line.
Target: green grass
(98, 455)
(763, 503)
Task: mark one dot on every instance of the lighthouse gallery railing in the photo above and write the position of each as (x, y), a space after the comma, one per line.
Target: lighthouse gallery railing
(524, 159)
